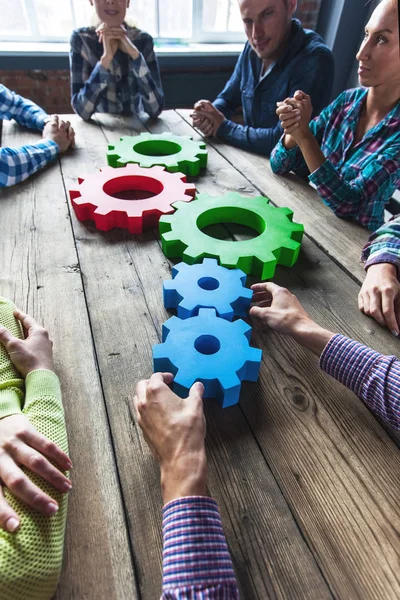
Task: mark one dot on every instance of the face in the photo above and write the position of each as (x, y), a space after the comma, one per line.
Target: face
(379, 55)
(111, 12)
(267, 25)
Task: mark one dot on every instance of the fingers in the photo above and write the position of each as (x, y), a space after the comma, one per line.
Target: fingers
(26, 321)
(9, 520)
(47, 448)
(22, 488)
(196, 391)
(6, 338)
(375, 308)
(389, 313)
(150, 386)
(270, 287)
(37, 463)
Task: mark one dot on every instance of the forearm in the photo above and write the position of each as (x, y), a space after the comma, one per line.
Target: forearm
(31, 559)
(23, 111)
(383, 246)
(17, 164)
(312, 336)
(11, 383)
(149, 85)
(194, 538)
(259, 140)
(86, 94)
(312, 153)
(284, 160)
(373, 377)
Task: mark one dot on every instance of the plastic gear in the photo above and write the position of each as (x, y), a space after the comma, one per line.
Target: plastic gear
(175, 153)
(95, 197)
(207, 285)
(211, 350)
(278, 242)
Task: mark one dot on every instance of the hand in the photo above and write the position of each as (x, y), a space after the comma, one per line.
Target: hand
(60, 132)
(295, 116)
(282, 312)
(22, 445)
(110, 38)
(174, 429)
(380, 295)
(32, 353)
(207, 118)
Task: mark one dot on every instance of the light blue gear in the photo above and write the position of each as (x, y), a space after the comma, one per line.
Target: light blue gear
(211, 350)
(207, 285)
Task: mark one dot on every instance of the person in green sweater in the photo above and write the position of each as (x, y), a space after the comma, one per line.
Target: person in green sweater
(33, 460)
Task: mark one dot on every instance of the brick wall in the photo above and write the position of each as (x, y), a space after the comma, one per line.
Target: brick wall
(49, 89)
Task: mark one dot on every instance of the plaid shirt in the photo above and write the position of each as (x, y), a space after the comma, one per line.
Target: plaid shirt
(16, 164)
(127, 86)
(354, 182)
(384, 246)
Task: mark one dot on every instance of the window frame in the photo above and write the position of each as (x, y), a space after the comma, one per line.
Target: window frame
(199, 35)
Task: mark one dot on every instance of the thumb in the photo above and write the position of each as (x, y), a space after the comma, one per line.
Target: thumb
(196, 391)
(5, 336)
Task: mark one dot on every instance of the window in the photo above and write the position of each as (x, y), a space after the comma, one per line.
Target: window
(186, 20)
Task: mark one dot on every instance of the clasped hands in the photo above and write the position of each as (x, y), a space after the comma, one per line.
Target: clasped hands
(295, 115)
(113, 38)
(207, 118)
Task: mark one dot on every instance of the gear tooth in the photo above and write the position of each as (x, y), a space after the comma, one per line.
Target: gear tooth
(205, 313)
(242, 328)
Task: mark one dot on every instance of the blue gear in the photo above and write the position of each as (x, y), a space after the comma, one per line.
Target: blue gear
(207, 285)
(211, 350)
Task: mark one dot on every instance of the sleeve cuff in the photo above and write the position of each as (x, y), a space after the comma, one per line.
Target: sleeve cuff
(41, 383)
(11, 399)
(327, 181)
(195, 549)
(348, 361)
(225, 129)
(50, 147)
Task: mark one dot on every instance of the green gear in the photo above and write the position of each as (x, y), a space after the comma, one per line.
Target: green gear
(175, 153)
(278, 242)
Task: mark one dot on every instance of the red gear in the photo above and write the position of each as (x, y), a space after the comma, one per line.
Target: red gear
(95, 198)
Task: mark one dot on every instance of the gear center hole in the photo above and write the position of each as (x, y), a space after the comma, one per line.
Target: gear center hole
(225, 222)
(208, 283)
(133, 187)
(157, 148)
(207, 344)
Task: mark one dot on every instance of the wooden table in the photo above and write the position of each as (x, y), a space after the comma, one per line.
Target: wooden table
(306, 478)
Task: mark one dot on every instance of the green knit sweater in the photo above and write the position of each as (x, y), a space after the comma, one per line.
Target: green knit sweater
(30, 560)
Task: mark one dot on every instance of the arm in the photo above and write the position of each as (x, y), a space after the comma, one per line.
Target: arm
(85, 92)
(31, 554)
(372, 376)
(196, 560)
(313, 81)
(380, 293)
(17, 164)
(147, 74)
(20, 109)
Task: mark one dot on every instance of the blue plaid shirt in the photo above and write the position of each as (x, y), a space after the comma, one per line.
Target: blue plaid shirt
(16, 164)
(127, 86)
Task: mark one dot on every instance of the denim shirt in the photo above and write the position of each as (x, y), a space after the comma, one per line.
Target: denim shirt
(307, 65)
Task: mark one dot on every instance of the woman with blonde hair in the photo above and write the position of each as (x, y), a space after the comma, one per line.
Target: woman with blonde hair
(114, 68)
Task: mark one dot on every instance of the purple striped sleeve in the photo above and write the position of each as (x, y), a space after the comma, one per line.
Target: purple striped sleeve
(373, 377)
(196, 560)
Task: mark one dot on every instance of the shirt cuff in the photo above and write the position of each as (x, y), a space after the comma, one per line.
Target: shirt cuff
(11, 398)
(195, 549)
(327, 182)
(52, 149)
(225, 129)
(348, 361)
(41, 383)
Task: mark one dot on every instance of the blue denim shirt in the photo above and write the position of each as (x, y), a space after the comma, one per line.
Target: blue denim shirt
(307, 65)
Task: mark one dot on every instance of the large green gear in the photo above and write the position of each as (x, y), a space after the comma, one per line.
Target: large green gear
(175, 153)
(278, 242)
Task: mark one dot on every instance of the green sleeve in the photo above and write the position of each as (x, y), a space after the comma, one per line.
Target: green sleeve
(11, 383)
(31, 559)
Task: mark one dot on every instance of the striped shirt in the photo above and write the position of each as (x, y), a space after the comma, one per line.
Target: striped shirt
(196, 560)
(373, 377)
(384, 246)
(128, 86)
(16, 164)
(355, 182)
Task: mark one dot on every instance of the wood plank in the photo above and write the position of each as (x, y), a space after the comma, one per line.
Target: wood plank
(39, 270)
(123, 283)
(341, 239)
(329, 455)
